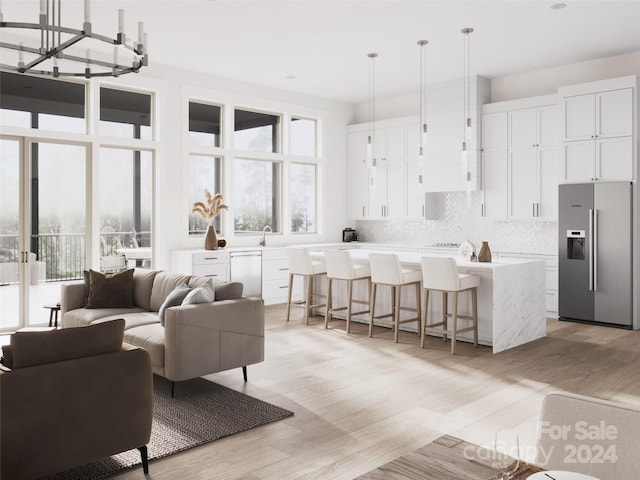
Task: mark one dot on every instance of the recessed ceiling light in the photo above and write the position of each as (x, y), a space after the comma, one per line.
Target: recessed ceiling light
(558, 6)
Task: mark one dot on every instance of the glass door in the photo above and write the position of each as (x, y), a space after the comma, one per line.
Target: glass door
(43, 225)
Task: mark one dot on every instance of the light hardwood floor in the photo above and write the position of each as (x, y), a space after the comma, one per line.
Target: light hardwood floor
(360, 402)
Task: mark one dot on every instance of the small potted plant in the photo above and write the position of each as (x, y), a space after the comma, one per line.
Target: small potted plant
(210, 209)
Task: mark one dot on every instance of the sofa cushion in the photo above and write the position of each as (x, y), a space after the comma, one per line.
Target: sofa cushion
(132, 320)
(81, 317)
(151, 338)
(110, 290)
(37, 348)
(163, 284)
(202, 294)
(174, 299)
(142, 285)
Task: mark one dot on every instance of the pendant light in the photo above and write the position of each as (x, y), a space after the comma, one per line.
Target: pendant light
(371, 161)
(423, 110)
(467, 128)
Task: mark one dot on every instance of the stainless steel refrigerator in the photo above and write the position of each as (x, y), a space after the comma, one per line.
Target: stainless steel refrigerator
(595, 233)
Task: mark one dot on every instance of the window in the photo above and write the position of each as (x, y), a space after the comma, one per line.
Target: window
(34, 102)
(303, 137)
(204, 174)
(256, 195)
(125, 217)
(125, 114)
(303, 198)
(259, 132)
(204, 124)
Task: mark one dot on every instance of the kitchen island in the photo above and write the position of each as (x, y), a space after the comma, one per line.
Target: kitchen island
(511, 297)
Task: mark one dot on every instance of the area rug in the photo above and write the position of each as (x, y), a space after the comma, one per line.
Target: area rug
(200, 412)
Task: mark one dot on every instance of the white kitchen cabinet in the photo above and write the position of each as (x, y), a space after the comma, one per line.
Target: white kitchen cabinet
(358, 176)
(387, 178)
(608, 159)
(520, 166)
(203, 263)
(598, 131)
(533, 183)
(494, 131)
(598, 115)
(275, 277)
(495, 184)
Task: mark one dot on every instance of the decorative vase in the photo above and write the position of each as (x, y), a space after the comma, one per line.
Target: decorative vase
(211, 239)
(485, 253)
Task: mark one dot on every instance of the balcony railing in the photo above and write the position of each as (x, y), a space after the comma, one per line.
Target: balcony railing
(61, 257)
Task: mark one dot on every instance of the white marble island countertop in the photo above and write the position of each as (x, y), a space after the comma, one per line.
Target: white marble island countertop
(511, 296)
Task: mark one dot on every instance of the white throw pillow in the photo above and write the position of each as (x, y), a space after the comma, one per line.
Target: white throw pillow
(203, 294)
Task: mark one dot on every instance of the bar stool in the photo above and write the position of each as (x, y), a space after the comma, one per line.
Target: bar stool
(386, 270)
(340, 267)
(441, 274)
(301, 263)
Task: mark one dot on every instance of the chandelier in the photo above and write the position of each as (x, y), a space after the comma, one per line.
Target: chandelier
(49, 48)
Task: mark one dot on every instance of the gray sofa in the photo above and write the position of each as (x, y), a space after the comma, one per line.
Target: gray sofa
(195, 340)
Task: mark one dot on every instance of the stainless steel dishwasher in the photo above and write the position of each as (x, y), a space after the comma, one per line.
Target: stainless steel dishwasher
(246, 267)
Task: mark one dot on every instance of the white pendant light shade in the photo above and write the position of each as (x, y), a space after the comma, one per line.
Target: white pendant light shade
(372, 111)
(467, 134)
(424, 129)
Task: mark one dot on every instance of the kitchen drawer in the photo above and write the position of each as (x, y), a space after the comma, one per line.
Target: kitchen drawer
(210, 257)
(274, 254)
(275, 269)
(218, 271)
(276, 291)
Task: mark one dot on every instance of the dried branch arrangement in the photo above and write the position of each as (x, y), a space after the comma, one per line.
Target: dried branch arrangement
(211, 207)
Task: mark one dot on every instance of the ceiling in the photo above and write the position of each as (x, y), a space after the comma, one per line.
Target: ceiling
(320, 47)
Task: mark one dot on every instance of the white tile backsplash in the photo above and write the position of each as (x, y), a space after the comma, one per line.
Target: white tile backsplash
(461, 220)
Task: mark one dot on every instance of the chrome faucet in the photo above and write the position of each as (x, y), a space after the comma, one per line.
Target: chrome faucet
(263, 242)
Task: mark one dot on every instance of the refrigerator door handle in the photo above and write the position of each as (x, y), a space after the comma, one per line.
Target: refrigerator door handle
(591, 245)
(595, 250)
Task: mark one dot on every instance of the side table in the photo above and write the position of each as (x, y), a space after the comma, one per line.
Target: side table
(53, 314)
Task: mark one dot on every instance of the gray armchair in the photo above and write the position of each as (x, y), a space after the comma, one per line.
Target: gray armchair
(70, 397)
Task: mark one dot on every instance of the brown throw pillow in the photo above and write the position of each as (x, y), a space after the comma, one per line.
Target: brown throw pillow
(110, 290)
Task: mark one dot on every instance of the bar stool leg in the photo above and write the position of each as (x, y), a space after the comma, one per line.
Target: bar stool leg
(444, 315)
(308, 299)
(419, 304)
(474, 306)
(372, 306)
(349, 298)
(454, 319)
(327, 312)
(396, 312)
(289, 296)
(425, 319)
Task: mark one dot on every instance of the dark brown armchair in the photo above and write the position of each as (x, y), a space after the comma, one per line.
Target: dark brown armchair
(69, 397)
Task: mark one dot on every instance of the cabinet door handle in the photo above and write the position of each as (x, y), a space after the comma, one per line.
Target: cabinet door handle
(423, 213)
(283, 269)
(363, 214)
(211, 258)
(534, 209)
(212, 275)
(284, 286)
(482, 210)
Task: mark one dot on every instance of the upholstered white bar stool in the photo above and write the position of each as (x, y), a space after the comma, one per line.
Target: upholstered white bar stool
(301, 263)
(441, 274)
(340, 266)
(386, 270)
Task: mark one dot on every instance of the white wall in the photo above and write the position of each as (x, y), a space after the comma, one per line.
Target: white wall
(170, 203)
(547, 81)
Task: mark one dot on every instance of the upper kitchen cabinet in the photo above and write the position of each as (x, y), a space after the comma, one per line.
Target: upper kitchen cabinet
(519, 159)
(598, 130)
(387, 177)
(358, 175)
